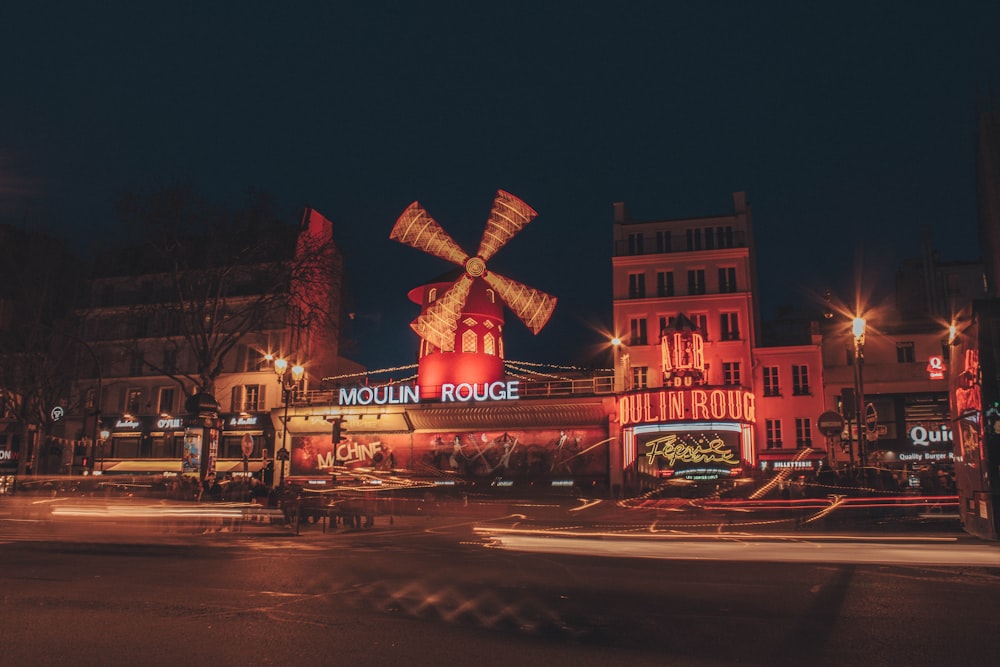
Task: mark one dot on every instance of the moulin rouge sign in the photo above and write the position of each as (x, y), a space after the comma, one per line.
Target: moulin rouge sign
(669, 405)
(450, 393)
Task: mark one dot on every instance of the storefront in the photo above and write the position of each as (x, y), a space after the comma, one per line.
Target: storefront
(699, 435)
(251, 430)
(502, 442)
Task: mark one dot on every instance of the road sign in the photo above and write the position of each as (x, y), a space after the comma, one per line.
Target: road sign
(871, 419)
(830, 423)
(246, 445)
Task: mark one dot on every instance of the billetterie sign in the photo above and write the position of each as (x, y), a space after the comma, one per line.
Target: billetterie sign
(657, 407)
(450, 393)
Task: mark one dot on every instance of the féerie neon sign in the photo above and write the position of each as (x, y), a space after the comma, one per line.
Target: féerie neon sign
(673, 450)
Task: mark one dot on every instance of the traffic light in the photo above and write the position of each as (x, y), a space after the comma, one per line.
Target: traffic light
(338, 429)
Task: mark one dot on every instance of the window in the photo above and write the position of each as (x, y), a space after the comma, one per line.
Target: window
(665, 321)
(724, 237)
(803, 433)
(133, 401)
(637, 331)
(636, 285)
(709, 238)
(771, 385)
(772, 428)
(248, 398)
(432, 295)
(731, 372)
(89, 398)
(730, 326)
(255, 359)
(640, 376)
(696, 281)
(489, 344)
(663, 241)
(635, 244)
(469, 341)
(664, 283)
(694, 239)
(727, 279)
(904, 352)
(165, 403)
(800, 380)
(701, 321)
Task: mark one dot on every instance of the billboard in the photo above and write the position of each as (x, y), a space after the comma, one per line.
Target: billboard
(523, 453)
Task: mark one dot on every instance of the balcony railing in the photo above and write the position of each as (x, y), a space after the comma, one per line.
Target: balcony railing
(600, 385)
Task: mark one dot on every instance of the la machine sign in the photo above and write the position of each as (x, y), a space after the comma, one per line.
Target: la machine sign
(450, 393)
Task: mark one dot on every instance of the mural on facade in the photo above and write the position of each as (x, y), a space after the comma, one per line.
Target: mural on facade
(540, 453)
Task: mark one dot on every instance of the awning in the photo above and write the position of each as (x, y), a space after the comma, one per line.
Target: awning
(237, 466)
(793, 455)
(144, 465)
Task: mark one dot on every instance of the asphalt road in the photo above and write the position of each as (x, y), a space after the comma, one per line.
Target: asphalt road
(449, 586)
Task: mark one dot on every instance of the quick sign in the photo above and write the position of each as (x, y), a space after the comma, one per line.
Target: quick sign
(936, 367)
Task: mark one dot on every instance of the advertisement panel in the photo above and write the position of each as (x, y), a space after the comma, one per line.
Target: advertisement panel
(191, 459)
(529, 453)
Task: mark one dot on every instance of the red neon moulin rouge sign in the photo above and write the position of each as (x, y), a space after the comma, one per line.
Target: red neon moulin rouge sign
(671, 405)
(682, 354)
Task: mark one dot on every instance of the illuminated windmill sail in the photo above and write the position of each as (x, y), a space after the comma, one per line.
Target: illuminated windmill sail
(438, 323)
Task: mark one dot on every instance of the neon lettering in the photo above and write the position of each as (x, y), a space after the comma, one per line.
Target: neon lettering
(668, 447)
(670, 405)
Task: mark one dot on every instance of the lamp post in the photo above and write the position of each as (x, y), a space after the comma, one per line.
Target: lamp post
(288, 382)
(622, 363)
(858, 329)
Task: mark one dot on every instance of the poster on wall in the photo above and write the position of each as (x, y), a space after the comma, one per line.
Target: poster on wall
(535, 454)
(191, 459)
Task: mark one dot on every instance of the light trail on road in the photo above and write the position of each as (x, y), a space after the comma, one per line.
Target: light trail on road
(889, 550)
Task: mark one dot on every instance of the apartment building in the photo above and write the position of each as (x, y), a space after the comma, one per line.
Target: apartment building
(686, 307)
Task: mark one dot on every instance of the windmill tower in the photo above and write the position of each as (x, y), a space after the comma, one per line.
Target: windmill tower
(461, 318)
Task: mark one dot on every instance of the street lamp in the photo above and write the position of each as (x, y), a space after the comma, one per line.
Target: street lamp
(288, 382)
(622, 365)
(858, 329)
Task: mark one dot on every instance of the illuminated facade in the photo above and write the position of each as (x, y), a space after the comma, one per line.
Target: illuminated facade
(686, 306)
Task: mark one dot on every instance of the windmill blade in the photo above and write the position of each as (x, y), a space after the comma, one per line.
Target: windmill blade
(416, 228)
(438, 323)
(534, 307)
(508, 217)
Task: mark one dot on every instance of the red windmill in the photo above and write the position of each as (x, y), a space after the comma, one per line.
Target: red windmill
(461, 320)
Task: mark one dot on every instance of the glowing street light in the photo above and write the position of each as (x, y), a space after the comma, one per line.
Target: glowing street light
(622, 363)
(289, 382)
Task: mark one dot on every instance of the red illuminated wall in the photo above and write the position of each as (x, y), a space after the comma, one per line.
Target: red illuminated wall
(536, 454)
(314, 301)
(481, 319)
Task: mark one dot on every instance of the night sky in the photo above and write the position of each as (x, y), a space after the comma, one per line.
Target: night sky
(851, 126)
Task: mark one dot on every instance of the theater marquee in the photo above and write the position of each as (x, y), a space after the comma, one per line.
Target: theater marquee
(673, 405)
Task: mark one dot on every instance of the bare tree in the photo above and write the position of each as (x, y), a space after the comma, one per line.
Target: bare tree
(199, 279)
(37, 275)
